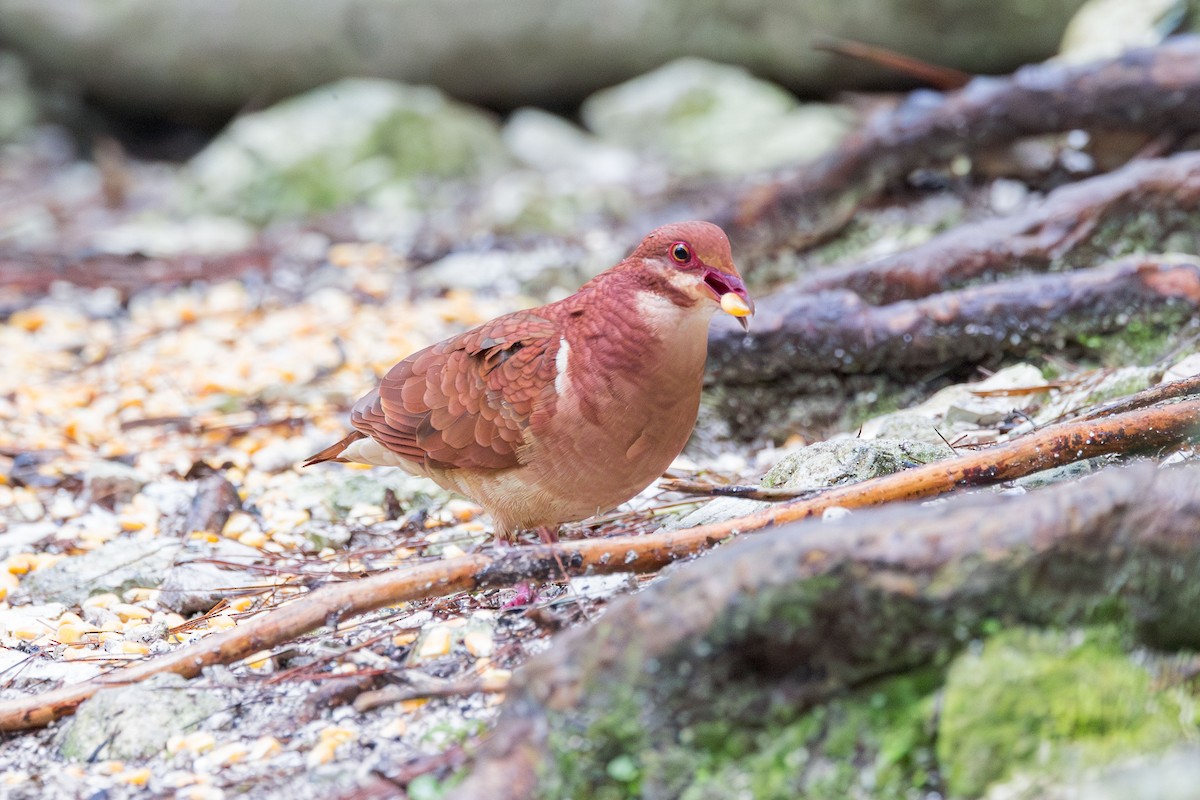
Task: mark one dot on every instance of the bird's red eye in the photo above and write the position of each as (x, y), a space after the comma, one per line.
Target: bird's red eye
(681, 252)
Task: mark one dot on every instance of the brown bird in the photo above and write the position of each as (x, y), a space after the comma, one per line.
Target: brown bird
(561, 412)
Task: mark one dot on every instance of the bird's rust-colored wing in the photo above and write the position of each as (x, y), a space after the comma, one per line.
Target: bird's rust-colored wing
(468, 401)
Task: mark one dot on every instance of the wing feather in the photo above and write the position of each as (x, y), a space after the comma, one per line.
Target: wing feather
(467, 402)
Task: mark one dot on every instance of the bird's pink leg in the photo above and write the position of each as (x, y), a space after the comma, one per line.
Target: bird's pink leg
(526, 592)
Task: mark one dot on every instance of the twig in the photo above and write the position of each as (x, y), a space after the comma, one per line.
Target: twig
(935, 75)
(1139, 430)
(704, 489)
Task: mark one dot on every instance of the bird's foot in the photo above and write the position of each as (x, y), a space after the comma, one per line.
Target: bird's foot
(525, 596)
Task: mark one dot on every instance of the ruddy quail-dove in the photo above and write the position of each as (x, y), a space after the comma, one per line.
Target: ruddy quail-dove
(561, 412)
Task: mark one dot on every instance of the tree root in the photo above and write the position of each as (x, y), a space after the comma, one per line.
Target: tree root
(1138, 430)
(797, 332)
(1075, 226)
(1154, 89)
(783, 621)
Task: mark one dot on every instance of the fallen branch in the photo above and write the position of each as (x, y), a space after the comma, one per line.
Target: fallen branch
(1170, 390)
(1140, 430)
(1154, 90)
(835, 332)
(1077, 225)
(34, 273)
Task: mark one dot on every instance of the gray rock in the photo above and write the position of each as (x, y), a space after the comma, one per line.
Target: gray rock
(20, 536)
(111, 482)
(195, 584)
(849, 461)
(218, 56)
(135, 721)
(549, 143)
(117, 566)
(351, 141)
(908, 426)
(1173, 775)
(331, 493)
(33, 674)
(18, 107)
(1105, 28)
(533, 271)
(825, 464)
(704, 117)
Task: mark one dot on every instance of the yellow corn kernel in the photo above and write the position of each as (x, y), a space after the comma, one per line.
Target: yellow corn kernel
(128, 611)
(69, 633)
(495, 680)
(106, 600)
(260, 660)
(137, 777)
(436, 643)
(263, 748)
(243, 603)
(479, 643)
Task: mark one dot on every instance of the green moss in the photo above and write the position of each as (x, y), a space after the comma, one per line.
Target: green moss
(876, 742)
(1142, 340)
(1051, 702)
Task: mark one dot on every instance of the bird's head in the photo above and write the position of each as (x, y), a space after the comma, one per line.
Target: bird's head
(695, 260)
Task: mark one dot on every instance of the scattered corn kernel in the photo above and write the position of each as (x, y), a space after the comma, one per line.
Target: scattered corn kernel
(198, 742)
(142, 594)
(128, 611)
(329, 741)
(137, 777)
(69, 633)
(263, 748)
(260, 661)
(78, 653)
(228, 754)
(495, 680)
(253, 538)
(20, 564)
(26, 631)
(479, 643)
(404, 638)
(105, 600)
(436, 643)
(243, 603)
(239, 522)
(135, 648)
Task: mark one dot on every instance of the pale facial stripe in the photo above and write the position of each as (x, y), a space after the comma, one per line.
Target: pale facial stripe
(560, 364)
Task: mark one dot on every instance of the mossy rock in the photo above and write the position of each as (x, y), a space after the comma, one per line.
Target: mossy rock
(1051, 703)
(703, 117)
(349, 142)
(877, 742)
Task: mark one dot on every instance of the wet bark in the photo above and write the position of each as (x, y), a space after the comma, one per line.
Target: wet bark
(1152, 90)
(837, 332)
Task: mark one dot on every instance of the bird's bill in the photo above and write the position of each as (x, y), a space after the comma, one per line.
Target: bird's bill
(730, 292)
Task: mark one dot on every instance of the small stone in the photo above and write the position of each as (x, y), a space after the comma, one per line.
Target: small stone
(135, 721)
(111, 483)
(115, 567)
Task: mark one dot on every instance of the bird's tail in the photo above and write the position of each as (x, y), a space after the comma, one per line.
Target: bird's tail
(334, 451)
